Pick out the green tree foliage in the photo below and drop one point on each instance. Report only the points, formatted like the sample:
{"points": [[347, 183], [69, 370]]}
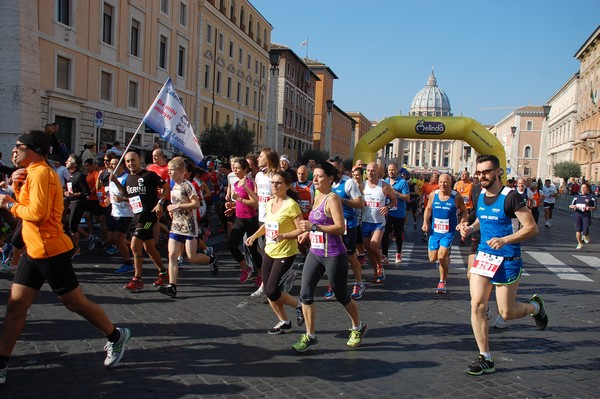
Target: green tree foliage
{"points": [[317, 155], [567, 170], [227, 140]]}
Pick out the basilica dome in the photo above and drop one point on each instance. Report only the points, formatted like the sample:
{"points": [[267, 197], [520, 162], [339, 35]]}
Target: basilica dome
{"points": [[430, 100]]}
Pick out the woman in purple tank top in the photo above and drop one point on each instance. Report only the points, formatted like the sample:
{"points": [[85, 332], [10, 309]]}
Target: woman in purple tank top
{"points": [[325, 227]]}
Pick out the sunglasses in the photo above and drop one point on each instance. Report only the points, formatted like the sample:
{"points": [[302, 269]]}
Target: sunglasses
{"points": [[484, 172]]}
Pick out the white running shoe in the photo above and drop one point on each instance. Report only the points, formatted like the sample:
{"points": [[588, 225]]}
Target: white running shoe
{"points": [[579, 246], [500, 322], [259, 293], [585, 239]]}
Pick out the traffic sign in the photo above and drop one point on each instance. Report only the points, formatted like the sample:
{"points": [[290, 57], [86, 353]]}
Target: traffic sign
{"points": [[99, 118]]}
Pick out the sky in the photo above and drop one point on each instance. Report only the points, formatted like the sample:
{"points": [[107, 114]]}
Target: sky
{"points": [[490, 56]]}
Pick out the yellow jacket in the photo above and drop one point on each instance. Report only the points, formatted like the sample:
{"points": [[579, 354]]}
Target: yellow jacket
{"points": [[40, 206]]}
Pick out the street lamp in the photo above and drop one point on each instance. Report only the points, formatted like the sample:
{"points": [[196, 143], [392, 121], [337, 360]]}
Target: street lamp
{"points": [[272, 133], [513, 130], [328, 127], [353, 136]]}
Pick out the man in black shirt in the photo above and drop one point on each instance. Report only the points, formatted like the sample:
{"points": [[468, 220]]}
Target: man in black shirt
{"points": [[141, 187]]}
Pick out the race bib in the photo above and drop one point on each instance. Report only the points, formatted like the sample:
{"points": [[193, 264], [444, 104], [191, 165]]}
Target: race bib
{"points": [[466, 199], [136, 204], [441, 226], [305, 206], [263, 199], [580, 207], [317, 240], [271, 231], [69, 187], [372, 204], [486, 265]]}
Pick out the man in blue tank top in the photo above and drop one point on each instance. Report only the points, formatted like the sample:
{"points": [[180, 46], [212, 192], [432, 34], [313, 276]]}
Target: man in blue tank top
{"points": [[498, 261], [439, 222]]}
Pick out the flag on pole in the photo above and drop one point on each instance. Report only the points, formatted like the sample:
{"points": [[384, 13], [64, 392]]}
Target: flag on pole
{"points": [[167, 117], [304, 43]]}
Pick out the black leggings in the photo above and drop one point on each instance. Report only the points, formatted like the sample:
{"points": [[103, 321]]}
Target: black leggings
{"points": [[582, 223], [249, 227], [336, 268], [76, 209], [272, 272], [397, 224]]}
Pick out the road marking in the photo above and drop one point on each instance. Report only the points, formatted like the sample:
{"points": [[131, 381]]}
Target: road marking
{"points": [[407, 248], [589, 260], [456, 259], [557, 267]]}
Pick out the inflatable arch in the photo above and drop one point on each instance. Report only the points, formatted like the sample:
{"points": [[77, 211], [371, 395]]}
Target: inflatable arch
{"points": [[429, 128]]}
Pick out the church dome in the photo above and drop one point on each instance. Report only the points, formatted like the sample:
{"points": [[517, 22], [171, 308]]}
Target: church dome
{"points": [[430, 100]]}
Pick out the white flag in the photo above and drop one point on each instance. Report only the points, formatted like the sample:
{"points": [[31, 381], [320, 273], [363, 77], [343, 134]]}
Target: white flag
{"points": [[167, 117], [304, 43]]}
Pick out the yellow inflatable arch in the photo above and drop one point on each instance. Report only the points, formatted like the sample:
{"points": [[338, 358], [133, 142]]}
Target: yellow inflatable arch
{"points": [[429, 128]]}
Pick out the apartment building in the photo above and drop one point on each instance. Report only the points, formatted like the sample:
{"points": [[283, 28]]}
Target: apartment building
{"points": [[94, 67]]}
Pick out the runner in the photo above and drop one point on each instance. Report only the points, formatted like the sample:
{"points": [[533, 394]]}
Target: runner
{"points": [[498, 262], [47, 254], [549, 193], [396, 216], [583, 204]]}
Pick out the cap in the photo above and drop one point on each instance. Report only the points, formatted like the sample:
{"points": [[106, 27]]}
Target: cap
{"points": [[36, 140], [403, 171], [284, 158]]}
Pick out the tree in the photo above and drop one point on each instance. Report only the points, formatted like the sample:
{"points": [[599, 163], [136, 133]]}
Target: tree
{"points": [[567, 170], [227, 140]]}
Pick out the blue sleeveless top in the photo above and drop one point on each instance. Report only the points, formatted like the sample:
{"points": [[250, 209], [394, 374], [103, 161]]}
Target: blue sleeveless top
{"points": [[494, 222]]}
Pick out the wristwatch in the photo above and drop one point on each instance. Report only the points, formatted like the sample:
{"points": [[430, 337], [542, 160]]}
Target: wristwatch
{"points": [[313, 228], [10, 205], [160, 201]]}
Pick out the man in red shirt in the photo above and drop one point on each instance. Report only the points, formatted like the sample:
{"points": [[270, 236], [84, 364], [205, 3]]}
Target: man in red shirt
{"points": [[161, 168]]}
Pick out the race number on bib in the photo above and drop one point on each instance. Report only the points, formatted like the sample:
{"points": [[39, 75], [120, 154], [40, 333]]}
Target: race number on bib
{"points": [[486, 265], [441, 226], [317, 240], [136, 204], [466, 199], [271, 231], [305, 206]]}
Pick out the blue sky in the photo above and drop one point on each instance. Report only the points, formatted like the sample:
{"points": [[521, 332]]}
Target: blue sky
{"points": [[487, 54]]}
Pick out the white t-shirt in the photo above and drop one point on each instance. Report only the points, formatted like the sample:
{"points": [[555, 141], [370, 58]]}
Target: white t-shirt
{"points": [[548, 191]]}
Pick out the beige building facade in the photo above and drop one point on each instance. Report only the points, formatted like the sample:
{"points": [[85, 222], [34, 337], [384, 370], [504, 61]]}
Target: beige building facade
{"points": [[587, 134], [94, 67]]}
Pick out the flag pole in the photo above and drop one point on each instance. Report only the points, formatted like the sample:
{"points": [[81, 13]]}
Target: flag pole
{"points": [[128, 145]]}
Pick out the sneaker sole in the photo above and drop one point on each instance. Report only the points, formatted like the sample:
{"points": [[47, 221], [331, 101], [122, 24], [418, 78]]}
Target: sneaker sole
{"points": [[486, 371], [280, 332], [307, 348]]}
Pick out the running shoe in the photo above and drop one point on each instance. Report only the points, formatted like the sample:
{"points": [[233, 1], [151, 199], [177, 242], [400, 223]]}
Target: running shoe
{"points": [[299, 316], [480, 366], [135, 285], [245, 274], [168, 289], [488, 313], [329, 293], [3, 371], [500, 322], [259, 293], [76, 253], [115, 350], [111, 250], [6, 250], [441, 288], [304, 343], [125, 268], [162, 279], [385, 260], [214, 267], [362, 259], [91, 243], [356, 336], [585, 239], [358, 290], [209, 251], [179, 261], [541, 318], [7, 269], [283, 327], [579, 246], [398, 258]]}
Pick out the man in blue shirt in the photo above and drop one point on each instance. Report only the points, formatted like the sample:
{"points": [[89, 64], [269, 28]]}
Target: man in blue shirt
{"points": [[396, 216]]}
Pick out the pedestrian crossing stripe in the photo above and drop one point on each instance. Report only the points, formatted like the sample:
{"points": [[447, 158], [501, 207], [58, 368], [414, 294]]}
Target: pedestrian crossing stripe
{"points": [[589, 260], [557, 267]]}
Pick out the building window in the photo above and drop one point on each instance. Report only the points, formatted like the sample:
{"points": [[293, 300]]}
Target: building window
{"points": [[181, 62], [220, 42], [132, 98], [208, 33], [164, 6], [242, 22], [63, 73], [183, 14], [229, 81], [239, 92], [526, 171], [217, 117], [218, 82], [247, 96], [105, 86], [162, 52], [206, 76], [255, 104], [63, 12], [249, 61], [107, 17], [232, 11], [241, 55], [135, 38], [529, 125], [205, 116], [527, 151], [230, 49]]}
